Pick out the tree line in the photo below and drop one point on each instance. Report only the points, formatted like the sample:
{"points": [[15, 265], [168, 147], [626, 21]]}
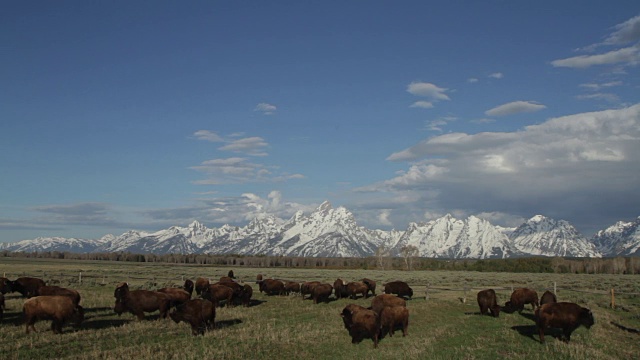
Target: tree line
{"points": [[617, 265]]}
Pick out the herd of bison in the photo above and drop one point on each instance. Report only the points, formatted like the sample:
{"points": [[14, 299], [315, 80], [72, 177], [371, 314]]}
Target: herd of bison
{"points": [[388, 312]]}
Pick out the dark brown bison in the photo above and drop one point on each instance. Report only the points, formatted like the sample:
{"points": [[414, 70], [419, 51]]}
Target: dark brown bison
{"points": [[321, 292], [1, 305], [352, 309], [138, 302], [57, 290], [548, 297], [225, 279], [201, 284], [258, 278], [27, 286], [488, 302], [188, 286], [231, 275], [361, 323], [272, 287], [399, 288], [217, 293], [238, 290], [340, 289], [564, 315], [519, 298], [393, 317], [58, 309], [5, 285], [307, 287], [382, 300], [355, 288], [198, 313], [371, 285], [176, 296], [245, 298], [291, 287]]}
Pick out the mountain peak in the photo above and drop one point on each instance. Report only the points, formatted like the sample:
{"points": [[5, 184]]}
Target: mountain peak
{"points": [[325, 206]]}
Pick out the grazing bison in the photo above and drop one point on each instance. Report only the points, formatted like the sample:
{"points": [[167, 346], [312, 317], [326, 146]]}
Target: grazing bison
{"points": [[199, 313], [272, 287], [176, 296], [371, 285], [392, 317], [201, 284], [565, 315], [399, 288], [380, 301], [58, 309], [355, 288], [291, 287], [188, 286], [245, 298], [548, 297], [519, 298], [138, 302], [488, 302], [57, 290], [321, 292], [217, 293], [307, 287], [340, 289], [361, 323], [27, 286]]}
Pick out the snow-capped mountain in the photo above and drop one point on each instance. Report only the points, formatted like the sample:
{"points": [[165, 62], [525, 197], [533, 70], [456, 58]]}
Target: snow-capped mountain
{"points": [[548, 237], [333, 232], [448, 237], [620, 239]]}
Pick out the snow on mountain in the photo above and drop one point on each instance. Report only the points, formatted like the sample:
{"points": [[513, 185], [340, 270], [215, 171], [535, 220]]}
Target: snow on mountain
{"points": [[448, 237], [548, 237], [333, 232], [620, 239]]}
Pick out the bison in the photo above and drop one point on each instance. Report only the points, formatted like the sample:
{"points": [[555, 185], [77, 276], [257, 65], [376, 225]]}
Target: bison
{"points": [[138, 302], [352, 309], [291, 287], [176, 296], [57, 290], [519, 298], [230, 274], [392, 317], [321, 292], [27, 286], [355, 288], [59, 309], [5, 285], [488, 302], [272, 287], [361, 323], [307, 287], [340, 289], [399, 288], [548, 297], [188, 287], [201, 284], [199, 313], [1, 305], [245, 298], [380, 301], [225, 279], [371, 285], [565, 315], [217, 293]]}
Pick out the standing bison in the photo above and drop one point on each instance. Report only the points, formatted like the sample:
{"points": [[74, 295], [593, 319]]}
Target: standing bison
{"points": [[307, 287], [27, 286], [201, 284], [519, 298], [399, 288], [392, 317], [371, 285], [217, 293], [565, 315], [355, 288], [58, 309], [198, 313], [321, 292], [176, 296], [487, 301], [138, 302], [340, 289], [382, 300], [548, 297], [57, 290], [272, 287], [245, 298], [361, 323]]}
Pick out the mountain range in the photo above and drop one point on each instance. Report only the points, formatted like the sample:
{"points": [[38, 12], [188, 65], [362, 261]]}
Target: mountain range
{"points": [[333, 232]]}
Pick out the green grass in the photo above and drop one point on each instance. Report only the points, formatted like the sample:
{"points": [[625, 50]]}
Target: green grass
{"points": [[442, 327]]}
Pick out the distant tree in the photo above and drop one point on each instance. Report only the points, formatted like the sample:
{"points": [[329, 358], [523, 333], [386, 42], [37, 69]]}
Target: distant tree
{"points": [[381, 253], [408, 252]]}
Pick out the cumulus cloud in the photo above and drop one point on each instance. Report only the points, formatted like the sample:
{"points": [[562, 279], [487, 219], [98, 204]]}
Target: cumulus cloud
{"points": [[251, 146], [430, 91], [515, 107], [265, 108], [564, 167]]}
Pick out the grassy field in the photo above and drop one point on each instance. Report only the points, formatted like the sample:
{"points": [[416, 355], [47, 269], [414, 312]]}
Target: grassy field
{"points": [[441, 327]]}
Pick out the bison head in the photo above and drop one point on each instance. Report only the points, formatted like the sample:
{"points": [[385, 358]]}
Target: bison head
{"points": [[121, 291], [119, 308], [586, 318]]}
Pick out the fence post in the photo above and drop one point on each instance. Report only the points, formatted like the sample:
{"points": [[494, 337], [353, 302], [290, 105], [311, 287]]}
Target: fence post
{"points": [[613, 299], [555, 289], [464, 299], [80, 278], [426, 292]]}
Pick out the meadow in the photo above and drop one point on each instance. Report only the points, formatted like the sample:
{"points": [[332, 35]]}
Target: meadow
{"points": [[444, 320]]}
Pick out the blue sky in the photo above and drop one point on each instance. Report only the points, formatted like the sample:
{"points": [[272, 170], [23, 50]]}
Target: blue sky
{"points": [[141, 115]]}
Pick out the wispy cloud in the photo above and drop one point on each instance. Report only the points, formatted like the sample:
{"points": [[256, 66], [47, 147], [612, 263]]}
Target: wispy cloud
{"points": [[265, 108], [237, 170], [515, 107], [496, 75], [208, 136], [430, 91], [253, 146], [612, 98]]}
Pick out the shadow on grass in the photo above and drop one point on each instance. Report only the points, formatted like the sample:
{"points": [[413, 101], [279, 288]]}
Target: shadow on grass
{"points": [[255, 302], [529, 331], [227, 323], [104, 323], [622, 327]]}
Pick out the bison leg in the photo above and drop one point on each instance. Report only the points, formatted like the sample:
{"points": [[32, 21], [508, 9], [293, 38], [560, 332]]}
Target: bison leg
{"points": [[30, 325], [541, 333]]}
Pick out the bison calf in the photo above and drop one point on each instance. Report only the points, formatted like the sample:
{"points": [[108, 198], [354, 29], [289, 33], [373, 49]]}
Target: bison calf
{"points": [[58, 309], [361, 323], [487, 301], [565, 315], [198, 313], [392, 317]]}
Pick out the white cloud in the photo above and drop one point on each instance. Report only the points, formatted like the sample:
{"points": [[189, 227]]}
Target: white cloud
{"points": [[515, 107], [428, 90], [472, 80], [208, 136], [596, 87], [626, 32], [265, 108], [422, 104], [251, 146], [496, 75], [629, 55], [612, 98], [238, 170]]}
